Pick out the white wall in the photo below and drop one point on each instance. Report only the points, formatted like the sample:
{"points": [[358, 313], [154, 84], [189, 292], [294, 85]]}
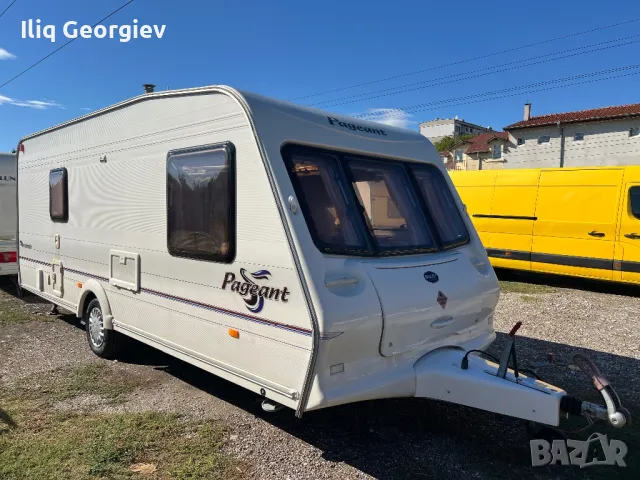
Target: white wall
{"points": [[436, 132], [605, 143]]}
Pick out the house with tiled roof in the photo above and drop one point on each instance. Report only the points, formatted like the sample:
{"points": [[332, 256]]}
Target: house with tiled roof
{"points": [[599, 136], [487, 151]]}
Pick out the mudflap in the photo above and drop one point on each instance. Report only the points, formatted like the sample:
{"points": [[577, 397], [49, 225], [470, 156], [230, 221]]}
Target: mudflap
{"points": [[439, 376]]}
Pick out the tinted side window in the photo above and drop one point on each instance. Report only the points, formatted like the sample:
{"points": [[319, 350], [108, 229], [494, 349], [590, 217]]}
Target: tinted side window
{"points": [[441, 205], [58, 195], [634, 198], [201, 203]]}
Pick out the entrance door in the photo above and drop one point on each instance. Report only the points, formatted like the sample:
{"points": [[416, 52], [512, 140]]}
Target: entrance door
{"points": [[630, 233]]}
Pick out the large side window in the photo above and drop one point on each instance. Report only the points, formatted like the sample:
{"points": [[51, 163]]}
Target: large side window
{"points": [[58, 195], [201, 203], [441, 205], [634, 199]]}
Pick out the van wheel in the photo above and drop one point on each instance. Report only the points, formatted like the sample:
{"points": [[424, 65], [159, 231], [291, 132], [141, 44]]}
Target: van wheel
{"points": [[102, 342]]}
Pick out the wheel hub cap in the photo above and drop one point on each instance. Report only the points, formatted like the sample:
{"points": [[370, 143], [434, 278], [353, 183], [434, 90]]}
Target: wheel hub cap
{"points": [[96, 328]]}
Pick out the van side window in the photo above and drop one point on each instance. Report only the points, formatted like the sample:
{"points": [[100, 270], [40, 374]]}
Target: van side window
{"points": [[58, 195], [634, 200], [201, 203]]}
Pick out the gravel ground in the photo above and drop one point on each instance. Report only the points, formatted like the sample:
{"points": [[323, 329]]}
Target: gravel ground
{"points": [[409, 438]]}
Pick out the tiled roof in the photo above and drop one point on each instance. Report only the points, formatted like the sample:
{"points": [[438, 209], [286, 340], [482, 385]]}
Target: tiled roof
{"points": [[480, 143], [580, 116]]}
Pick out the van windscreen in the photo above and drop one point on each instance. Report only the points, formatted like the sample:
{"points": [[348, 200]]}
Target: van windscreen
{"points": [[367, 206]]}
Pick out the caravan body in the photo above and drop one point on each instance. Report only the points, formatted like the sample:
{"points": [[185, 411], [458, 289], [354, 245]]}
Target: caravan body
{"points": [[311, 258], [8, 215]]}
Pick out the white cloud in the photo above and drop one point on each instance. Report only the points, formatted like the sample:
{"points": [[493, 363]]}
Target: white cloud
{"points": [[87, 109], [4, 55], [389, 116], [37, 104]]}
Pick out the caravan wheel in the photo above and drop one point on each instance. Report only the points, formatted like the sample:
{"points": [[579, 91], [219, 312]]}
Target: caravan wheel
{"points": [[102, 342]]}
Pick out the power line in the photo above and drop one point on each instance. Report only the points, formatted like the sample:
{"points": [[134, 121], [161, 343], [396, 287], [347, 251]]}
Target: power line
{"points": [[386, 92], [542, 42], [5, 10], [62, 46], [450, 102]]}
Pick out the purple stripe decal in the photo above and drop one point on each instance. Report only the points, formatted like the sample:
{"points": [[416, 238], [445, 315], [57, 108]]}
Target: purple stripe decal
{"points": [[224, 311]]}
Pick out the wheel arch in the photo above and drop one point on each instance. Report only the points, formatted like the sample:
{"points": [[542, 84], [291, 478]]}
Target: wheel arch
{"points": [[93, 288]]}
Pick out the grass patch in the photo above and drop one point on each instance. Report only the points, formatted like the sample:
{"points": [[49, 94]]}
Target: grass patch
{"points": [[75, 446], [15, 310], [111, 383], [527, 288]]}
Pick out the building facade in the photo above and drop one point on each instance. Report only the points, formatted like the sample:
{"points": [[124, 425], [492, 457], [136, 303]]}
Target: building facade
{"points": [[601, 136], [439, 128], [488, 151]]}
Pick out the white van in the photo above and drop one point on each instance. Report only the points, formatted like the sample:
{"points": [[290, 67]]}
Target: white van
{"points": [[311, 258], [8, 215]]}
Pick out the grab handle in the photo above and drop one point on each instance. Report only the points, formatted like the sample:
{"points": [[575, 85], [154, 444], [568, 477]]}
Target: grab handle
{"points": [[633, 236], [596, 234]]}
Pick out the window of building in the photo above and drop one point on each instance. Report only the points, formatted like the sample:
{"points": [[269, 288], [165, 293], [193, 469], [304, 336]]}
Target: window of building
{"points": [[458, 155], [634, 132], [578, 137], [58, 195], [201, 203], [520, 141], [497, 151], [634, 193], [544, 139]]}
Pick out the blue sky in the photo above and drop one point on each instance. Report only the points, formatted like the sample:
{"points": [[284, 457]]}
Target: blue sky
{"points": [[289, 49]]}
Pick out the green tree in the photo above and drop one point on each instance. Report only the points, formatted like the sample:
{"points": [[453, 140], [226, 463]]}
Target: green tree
{"points": [[447, 143]]}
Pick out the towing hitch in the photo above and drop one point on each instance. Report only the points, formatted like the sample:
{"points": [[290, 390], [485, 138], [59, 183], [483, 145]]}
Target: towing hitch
{"points": [[613, 411], [455, 375]]}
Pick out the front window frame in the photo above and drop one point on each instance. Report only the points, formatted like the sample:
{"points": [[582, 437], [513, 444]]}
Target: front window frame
{"points": [[372, 249]]}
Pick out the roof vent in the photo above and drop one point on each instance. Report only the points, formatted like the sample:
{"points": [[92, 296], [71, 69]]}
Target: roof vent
{"points": [[148, 87]]}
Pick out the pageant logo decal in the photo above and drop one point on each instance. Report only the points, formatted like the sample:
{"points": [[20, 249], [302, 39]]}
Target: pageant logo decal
{"points": [[254, 294]]}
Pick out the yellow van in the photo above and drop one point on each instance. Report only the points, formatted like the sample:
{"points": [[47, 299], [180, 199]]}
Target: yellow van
{"points": [[582, 222]]}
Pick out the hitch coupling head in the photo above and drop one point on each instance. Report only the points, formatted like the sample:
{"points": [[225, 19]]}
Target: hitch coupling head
{"points": [[614, 412]]}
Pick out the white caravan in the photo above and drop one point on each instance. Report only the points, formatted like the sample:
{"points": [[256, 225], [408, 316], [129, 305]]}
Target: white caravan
{"points": [[312, 258], [8, 215]]}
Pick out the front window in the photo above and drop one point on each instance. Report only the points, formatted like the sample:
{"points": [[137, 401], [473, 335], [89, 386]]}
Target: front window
{"points": [[441, 205], [458, 157], [329, 211], [376, 183], [366, 206], [634, 198]]}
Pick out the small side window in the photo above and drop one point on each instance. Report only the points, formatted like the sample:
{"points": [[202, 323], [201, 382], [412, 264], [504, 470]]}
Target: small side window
{"points": [[544, 139], [201, 203], [634, 132], [58, 195], [520, 141], [578, 137], [634, 200]]}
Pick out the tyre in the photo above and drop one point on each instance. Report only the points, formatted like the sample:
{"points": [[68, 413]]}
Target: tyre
{"points": [[103, 342]]}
